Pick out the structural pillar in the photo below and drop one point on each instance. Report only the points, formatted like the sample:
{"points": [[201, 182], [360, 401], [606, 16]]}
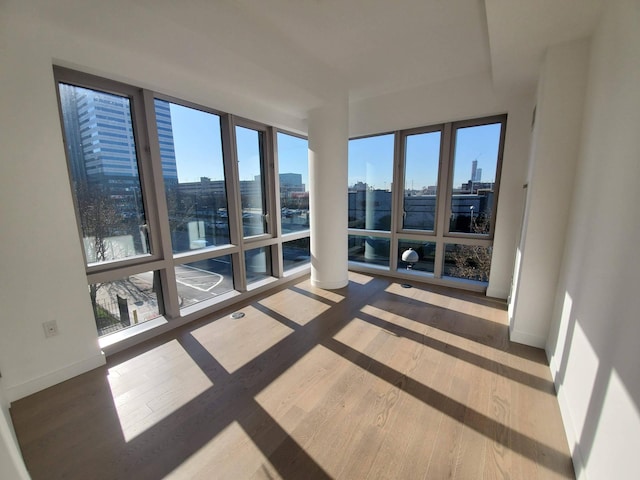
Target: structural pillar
{"points": [[328, 205]]}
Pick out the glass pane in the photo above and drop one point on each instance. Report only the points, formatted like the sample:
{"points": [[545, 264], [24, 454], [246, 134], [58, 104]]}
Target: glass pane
{"points": [[369, 249], [293, 164], [193, 171], [249, 145], [296, 253], [474, 175], [203, 280], [422, 154], [471, 262], [370, 178], [123, 303], [104, 173], [426, 255], [258, 264]]}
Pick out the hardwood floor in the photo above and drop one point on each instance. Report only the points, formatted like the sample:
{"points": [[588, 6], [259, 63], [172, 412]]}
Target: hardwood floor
{"points": [[370, 381]]}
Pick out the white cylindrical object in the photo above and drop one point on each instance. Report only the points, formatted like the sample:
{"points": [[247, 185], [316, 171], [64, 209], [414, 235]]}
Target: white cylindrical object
{"points": [[328, 204]]}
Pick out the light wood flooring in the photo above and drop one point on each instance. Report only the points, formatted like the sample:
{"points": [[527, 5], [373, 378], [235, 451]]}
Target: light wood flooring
{"points": [[370, 381]]}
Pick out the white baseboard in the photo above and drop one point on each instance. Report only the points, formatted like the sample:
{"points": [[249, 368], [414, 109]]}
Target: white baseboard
{"points": [[497, 293], [527, 339], [573, 440], [16, 392]]}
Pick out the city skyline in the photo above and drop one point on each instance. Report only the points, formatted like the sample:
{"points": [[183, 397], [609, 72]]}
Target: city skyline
{"points": [[198, 145], [371, 158]]}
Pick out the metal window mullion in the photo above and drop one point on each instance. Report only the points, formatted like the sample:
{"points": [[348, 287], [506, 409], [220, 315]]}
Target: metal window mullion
{"points": [[277, 251], [270, 181], [443, 199], [397, 198], [264, 241], [368, 233], [204, 254], [160, 229], [234, 200], [496, 184], [295, 236], [121, 272]]}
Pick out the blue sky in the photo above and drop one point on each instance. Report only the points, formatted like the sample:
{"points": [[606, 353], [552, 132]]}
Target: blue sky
{"points": [[371, 158], [197, 143], [198, 148]]}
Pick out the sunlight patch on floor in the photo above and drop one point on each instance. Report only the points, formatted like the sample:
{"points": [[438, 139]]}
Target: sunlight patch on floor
{"points": [[235, 342], [230, 454], [330, 295], [489, 313], [307, 308], [145, 392], [359, 278], [301, 386]]}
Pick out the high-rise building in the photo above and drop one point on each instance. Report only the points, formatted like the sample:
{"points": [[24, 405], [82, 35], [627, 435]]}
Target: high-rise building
{"points": [[165, 139], [100, 140]]}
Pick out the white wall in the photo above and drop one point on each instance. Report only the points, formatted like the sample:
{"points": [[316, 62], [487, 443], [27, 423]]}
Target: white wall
{"points": [[595, 331], [42, 272], [554, 153], [41, 267], [11, 465], [460, 99]]}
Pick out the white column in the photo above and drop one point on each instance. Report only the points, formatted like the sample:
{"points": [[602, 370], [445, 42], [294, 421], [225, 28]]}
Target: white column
{"points": [[328, 143]]}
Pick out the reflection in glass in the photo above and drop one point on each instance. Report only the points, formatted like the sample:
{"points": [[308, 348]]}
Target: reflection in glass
{"points": [[422, 154], [103, 165], [368, 249], [426, 255], [474, 177], [192, 167], [249, 145], [370, 178], [471, 262], [296, 253], [258, 264], [293, 168], [123, 303], [204, 280]]}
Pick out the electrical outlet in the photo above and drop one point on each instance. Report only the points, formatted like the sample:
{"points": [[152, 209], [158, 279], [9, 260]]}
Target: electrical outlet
{"points": [[50, 328]]}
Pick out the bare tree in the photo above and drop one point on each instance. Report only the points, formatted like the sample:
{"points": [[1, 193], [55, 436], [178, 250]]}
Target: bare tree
{"points": [[99, 220], [473, 262]]}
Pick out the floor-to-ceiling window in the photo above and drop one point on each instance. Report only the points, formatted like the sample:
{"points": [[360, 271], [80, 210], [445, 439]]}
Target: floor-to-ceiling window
{"points": [[432, 190], [370, 180], [293, 181], [177, 204]]}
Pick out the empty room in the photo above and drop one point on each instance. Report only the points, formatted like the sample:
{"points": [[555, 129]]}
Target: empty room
{"points": [[319, 239]]}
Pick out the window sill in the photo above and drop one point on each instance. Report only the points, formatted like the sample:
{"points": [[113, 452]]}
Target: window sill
{"points": [[127, 333]]}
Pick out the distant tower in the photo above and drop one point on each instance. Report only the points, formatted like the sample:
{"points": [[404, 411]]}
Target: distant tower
{"points": [[478, 175], [474, 168], [99, 133]]}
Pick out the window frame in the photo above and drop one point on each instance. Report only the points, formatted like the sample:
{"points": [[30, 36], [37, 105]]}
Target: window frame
{"points": [[277, 250], [146, 168], [162, 258], [393, 208], [441, 235], [495, 119], [400, 181]]}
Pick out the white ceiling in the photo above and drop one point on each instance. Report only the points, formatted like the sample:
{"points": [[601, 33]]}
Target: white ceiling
{"points": [[293, 54], [382, 45], [520, 31]]}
